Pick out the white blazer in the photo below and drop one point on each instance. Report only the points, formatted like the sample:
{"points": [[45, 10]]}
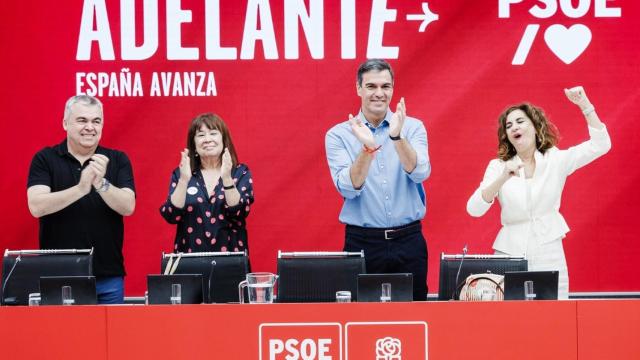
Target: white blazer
{"points": [[531, 207]]}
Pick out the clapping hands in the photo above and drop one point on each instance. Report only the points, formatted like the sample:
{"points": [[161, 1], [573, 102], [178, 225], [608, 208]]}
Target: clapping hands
{"points": [[185, 166], [227, 164], [362, 132], [397, 120], [98, 165]]}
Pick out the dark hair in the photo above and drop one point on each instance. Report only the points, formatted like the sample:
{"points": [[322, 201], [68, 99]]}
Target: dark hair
{"points": [[373, 65], [547, 135], [212, 122]]}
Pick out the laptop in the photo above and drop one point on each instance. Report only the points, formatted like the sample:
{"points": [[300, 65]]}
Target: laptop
{"points": [[545, 284], [370, 286], [159, 288], [83, 289]]}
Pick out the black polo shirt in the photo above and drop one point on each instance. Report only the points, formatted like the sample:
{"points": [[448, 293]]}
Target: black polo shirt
{"points": [[88, 222]]}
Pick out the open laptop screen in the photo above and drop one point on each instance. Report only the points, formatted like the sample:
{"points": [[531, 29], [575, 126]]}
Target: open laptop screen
{"points": [[83, 289], [159, 287], [545, 284]]}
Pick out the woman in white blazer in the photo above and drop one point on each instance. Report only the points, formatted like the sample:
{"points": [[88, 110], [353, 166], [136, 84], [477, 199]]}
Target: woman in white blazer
{"points": [[528, 178]]}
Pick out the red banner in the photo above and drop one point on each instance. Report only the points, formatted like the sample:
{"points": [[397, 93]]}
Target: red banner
{"points": [[281, 73], [585, 330]]}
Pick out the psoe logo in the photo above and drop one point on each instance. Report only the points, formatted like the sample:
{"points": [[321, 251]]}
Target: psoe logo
{"points": [[388, 348], [300, 341], [386, 340]]}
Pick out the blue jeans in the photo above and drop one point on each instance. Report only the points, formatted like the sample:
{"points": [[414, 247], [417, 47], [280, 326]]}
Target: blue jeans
{"points": [[110, 289]]}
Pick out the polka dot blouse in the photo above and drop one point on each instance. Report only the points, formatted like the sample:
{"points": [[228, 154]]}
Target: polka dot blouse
{"points": [[206, 223]]}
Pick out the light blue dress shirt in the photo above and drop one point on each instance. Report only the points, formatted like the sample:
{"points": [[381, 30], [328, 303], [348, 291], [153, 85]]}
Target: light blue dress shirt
{"points": [[390, 196]]}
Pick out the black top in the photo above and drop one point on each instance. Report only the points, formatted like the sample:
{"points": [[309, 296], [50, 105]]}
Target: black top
{"points": [[88, 222], [206, 223]]}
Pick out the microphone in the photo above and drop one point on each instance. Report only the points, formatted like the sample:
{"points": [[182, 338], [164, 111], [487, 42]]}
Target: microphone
{"points": [[12, 300], [455, 289], [209, 297]]}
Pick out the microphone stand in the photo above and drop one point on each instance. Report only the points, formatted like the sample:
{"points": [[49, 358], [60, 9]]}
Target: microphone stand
{"points": [[209, 297], [6, 281], [455, 289]]}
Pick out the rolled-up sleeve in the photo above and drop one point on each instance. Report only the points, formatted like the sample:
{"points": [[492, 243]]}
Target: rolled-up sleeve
{"points": [[477, 206], [340, 165], [418, 140], [244, 185]]}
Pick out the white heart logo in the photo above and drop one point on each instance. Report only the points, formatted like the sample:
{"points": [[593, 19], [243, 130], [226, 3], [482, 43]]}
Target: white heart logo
{"points": [[569, 43]]}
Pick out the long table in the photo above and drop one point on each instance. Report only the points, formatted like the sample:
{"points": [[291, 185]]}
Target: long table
{"points": [[583, 329]]}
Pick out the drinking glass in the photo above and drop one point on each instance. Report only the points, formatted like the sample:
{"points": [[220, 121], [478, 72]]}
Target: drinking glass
{"points": [[34, 299], [176, 294], [343, 296], [67, 296], [385, 296], [529, 293]]}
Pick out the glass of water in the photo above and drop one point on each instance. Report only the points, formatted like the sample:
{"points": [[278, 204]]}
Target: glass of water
{"points": [[67, 296], [529, 293], [261, 293], [34, 299], [176, 294], [385, 295], [343, 296]]}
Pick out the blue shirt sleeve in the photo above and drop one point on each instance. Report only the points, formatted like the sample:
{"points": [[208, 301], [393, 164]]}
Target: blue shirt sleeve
{"points": [[417, 137], [340, 163]]}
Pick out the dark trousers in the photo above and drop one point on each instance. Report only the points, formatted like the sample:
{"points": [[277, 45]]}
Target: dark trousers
{"points": [[394, 250]]}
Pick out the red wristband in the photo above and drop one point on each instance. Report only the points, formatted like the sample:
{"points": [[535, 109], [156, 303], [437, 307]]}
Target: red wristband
{"points": [[371, 151]]}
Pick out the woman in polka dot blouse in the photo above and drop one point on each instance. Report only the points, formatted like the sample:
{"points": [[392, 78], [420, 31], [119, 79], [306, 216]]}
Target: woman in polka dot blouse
{"points": [[210, 193]]}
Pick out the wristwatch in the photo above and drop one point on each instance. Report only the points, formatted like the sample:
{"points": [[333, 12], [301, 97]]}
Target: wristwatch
{"points": [[104, 187]]}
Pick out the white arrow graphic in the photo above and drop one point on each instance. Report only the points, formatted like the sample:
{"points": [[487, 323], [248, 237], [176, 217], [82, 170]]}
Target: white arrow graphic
{"points": [[426, 18]]}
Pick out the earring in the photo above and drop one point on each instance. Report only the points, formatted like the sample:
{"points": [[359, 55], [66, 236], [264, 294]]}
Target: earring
{"points": [[196, 155]]}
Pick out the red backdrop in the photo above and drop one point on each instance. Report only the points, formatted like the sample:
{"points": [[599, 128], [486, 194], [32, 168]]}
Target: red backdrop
{"points": [[457, 75]]}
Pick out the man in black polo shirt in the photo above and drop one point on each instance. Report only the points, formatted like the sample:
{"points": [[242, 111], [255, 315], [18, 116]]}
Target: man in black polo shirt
{"points": [[80, 191]]}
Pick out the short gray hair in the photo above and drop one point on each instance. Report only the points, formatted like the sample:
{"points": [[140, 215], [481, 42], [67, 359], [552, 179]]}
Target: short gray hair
{"points": [[82, 98]]}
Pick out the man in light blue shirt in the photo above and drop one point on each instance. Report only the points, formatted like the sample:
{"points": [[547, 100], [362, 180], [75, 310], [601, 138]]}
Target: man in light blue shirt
{"points": [[378, 161]]}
